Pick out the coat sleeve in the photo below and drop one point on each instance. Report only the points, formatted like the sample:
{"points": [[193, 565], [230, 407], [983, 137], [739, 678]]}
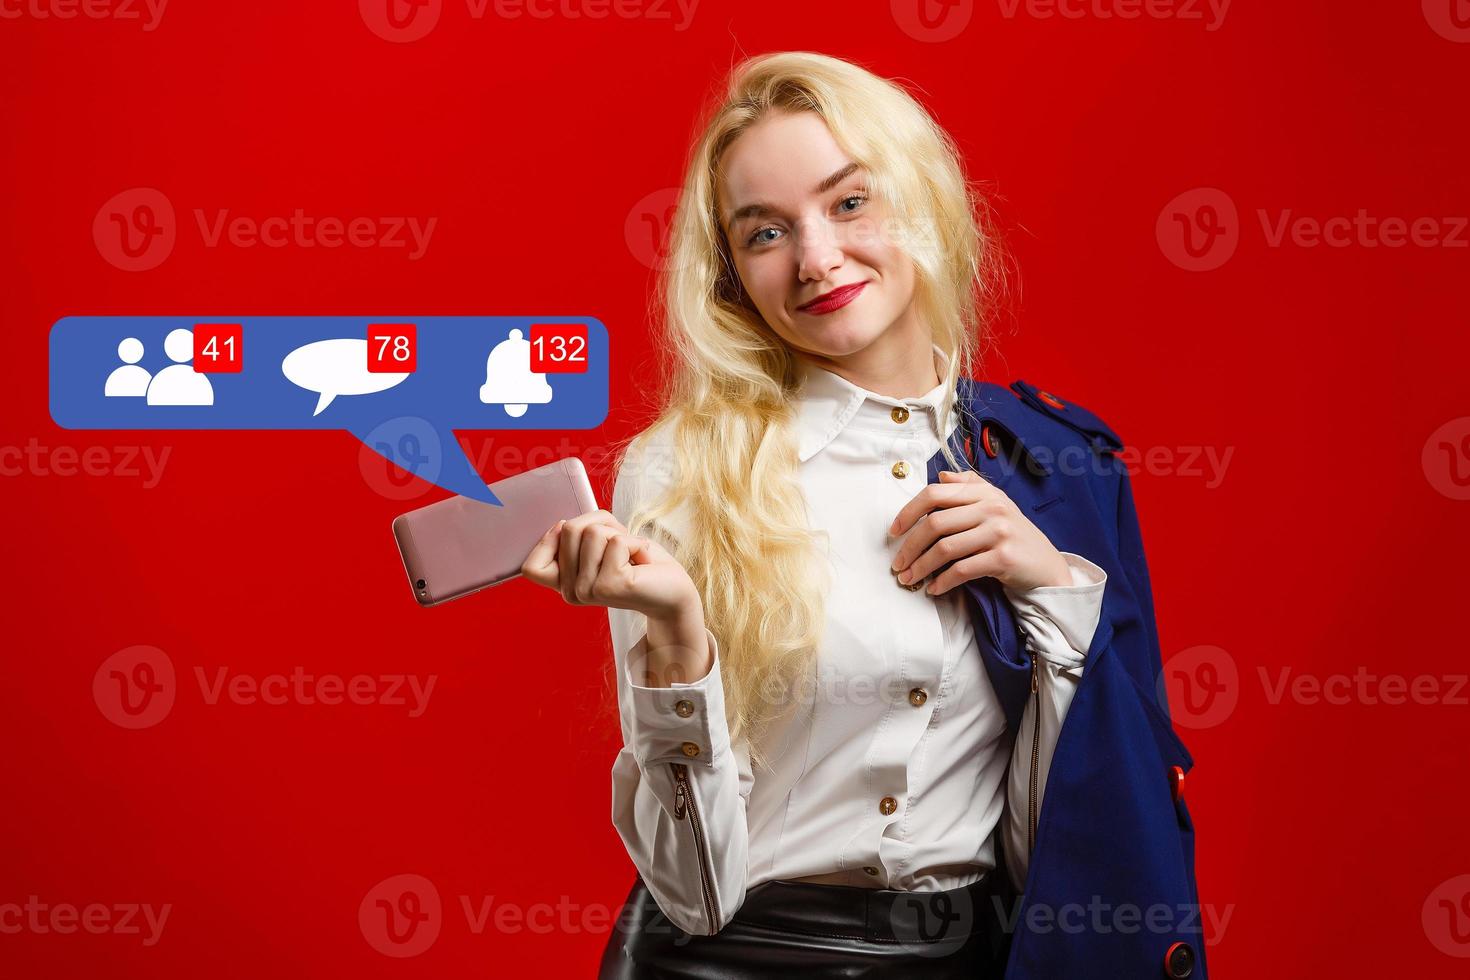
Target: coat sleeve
{"points": [[1116, 835], [679, 785], [1059, 623]]}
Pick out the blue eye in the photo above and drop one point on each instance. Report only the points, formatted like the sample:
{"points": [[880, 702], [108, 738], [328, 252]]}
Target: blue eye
{"points": [[860, 198]]}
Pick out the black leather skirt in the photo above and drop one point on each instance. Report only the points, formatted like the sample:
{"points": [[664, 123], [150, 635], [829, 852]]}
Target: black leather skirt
{"points": [[817, 931]]}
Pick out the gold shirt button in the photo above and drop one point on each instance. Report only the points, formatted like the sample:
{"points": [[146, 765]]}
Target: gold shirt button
{"points": [[900, 414], [918, 696], [900, 469], [869, 869], [690, 749], [684, 708], [887, 805]]}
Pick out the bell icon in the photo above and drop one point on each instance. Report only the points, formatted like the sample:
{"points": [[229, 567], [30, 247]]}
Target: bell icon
{"points": [[509, 380]]}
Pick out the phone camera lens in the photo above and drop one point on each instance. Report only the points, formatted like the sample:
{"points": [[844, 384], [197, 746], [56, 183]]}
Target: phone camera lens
{"points": [[419, 585]]}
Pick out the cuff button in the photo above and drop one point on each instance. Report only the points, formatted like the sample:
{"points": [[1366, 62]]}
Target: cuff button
{"points": [[690, 749], [684, 708]]}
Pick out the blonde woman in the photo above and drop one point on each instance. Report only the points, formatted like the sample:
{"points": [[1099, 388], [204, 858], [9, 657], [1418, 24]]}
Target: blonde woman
{"points": [[853, 593]]}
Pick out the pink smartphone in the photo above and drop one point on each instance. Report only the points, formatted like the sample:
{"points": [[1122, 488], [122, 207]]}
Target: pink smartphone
{"points": [[459, 546]]}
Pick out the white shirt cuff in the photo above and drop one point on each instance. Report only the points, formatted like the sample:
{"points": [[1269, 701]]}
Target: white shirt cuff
{"points": [[684, 722], [1073, 611]]}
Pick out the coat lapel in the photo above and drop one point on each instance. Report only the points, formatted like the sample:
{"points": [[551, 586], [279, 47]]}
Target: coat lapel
{"points": [[1020, 475]]}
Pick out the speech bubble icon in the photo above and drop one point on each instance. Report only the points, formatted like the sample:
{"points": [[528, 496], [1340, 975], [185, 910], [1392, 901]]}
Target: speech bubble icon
{"points": [[336, 367]]}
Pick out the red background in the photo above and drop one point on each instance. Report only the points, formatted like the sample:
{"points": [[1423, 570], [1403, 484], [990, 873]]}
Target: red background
{"points": [[1323, 829]]}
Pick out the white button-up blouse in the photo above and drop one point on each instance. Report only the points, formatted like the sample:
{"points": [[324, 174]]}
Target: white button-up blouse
{"points": [[892, 767]]}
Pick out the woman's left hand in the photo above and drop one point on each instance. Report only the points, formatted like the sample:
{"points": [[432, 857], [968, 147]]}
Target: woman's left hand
{"points": [[975, 525]]}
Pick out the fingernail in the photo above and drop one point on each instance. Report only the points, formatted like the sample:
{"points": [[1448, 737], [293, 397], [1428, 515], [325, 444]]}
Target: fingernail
{"points": [[905, 575]]}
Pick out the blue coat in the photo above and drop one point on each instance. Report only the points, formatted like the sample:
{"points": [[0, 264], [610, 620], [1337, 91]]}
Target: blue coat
{"points": [[1110, 889]]}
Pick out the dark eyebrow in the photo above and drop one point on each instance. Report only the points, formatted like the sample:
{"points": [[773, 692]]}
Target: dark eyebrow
{"points": [[764, 210]]}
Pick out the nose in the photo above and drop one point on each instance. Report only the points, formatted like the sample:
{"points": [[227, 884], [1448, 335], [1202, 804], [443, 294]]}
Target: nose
{"points": [[818, 252]]}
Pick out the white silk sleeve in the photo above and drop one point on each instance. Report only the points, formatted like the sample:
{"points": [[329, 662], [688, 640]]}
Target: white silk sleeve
{"points": [[1058, 623]]}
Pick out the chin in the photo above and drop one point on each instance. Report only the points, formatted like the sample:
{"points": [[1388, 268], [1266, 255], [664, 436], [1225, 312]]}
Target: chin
{"points": [[842, 338], [837, 342]]}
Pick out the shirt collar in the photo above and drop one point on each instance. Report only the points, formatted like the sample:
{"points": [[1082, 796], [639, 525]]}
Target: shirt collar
{"points": [[827, 402]]}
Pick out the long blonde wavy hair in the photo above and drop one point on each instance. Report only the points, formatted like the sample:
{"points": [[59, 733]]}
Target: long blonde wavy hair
{"points": [[728, 380]]}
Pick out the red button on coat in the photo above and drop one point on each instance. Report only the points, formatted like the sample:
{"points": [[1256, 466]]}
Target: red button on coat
{"points": [[1179, 961], [1050, 399], [1176, 782], [987, 439]]}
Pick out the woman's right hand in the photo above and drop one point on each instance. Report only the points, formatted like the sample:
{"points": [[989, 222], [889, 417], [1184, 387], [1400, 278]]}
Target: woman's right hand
{"points": [[592, 559]]}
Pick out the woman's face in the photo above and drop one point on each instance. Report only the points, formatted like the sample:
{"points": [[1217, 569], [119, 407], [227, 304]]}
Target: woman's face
{"points": [[800, 224]]}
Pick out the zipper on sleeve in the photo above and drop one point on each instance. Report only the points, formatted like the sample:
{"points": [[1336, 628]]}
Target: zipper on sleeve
{"points": [[1035, 756], [684, 804]]}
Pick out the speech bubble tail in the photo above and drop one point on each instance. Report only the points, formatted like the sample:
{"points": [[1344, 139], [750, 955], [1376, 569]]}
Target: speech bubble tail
{"points": [[428, 452], [459, 474], [323, 402]]}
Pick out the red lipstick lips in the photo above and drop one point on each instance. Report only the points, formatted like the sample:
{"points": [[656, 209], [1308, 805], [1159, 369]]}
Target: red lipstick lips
{"points": [[835, 300]]}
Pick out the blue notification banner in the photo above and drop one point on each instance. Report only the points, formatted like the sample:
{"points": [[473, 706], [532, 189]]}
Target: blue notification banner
{"points": [[401, 384]]}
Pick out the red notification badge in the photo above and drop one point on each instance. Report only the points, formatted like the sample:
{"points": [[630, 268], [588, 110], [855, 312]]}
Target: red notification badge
{"points": [[218, 348], [559, 348], [393, 348]]}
